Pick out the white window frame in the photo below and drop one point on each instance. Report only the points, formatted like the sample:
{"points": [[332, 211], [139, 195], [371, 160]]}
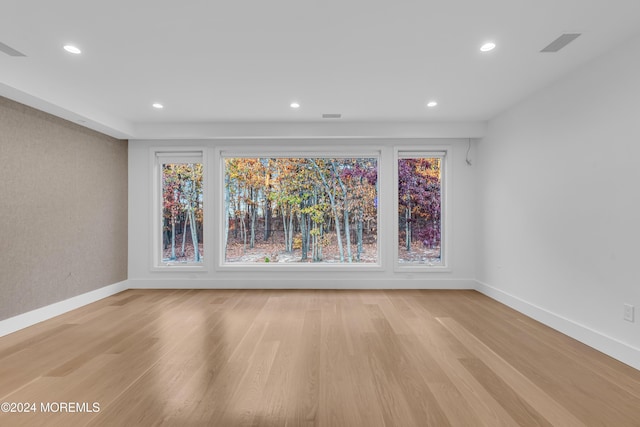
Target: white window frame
{"points": [[443, 152], [222, 153], [164, 155]]}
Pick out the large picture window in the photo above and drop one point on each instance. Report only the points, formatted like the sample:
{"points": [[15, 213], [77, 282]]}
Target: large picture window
{"points": [[283, 210], [181, 197], [420, 202]]}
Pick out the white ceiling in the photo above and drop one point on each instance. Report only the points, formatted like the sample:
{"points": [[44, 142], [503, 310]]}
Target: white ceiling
{"points": [[245, 61]]}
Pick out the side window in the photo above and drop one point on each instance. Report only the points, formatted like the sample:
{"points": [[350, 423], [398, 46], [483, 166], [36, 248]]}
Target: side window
{"points": [[180, 211], [420, 208]]}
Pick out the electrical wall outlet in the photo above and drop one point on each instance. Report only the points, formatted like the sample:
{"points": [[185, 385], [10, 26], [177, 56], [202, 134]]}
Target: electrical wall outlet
{"points": [[628, 312]]}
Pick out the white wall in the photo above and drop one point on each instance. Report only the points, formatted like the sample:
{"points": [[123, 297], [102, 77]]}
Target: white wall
{"points": [[559, 204], [461, 261]]}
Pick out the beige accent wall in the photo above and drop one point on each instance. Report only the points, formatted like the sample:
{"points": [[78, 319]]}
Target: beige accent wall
{"points": [[63, 209]]}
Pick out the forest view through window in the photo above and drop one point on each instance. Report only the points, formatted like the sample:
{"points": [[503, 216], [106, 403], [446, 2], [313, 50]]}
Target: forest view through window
{"points": [[420, 211], [300, 210], [182, 220]]}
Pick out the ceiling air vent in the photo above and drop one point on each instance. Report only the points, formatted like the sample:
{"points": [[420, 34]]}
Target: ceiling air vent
{"points": [[561, 42], [9, 50], [332, 116]]}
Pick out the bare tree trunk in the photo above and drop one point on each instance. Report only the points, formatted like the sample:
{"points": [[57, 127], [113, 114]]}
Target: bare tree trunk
{"points": [[290, 231], [194, 236], [308, 231], [407, 227], [236, 210], [166, 235], [337, 225], [321, 238], [334, 209], [252, 243], [314, 244], [184, 233], [284, 230], [303, 232], [173, 239], [243, 233], [252, 216], [267, 213], [347, 231], [359, 232]]}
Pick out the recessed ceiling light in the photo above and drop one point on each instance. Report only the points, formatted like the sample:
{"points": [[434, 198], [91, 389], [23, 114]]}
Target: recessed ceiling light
{"points": [[487, 47], [432, 104], [158, 105], [72, 49], [295, 105]]}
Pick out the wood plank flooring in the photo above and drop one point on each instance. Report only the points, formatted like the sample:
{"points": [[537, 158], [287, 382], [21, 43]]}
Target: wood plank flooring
{"points": [[308, 358]]}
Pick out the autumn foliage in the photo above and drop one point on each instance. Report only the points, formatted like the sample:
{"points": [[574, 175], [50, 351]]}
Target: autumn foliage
{"points": [[301, 209], [182, 212], [419, 208]]}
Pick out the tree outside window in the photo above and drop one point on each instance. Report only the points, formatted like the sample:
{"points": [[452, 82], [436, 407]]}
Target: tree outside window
{"points": [[300, 210], [420, 210], [182, 213]]}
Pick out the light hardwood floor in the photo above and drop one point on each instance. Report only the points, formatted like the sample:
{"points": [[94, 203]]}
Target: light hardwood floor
{"points": [[298, 358]]}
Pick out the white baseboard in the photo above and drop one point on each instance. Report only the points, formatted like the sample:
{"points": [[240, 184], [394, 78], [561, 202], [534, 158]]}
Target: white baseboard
{"points": [[301, 284], [605, 344], [38, 315]]}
